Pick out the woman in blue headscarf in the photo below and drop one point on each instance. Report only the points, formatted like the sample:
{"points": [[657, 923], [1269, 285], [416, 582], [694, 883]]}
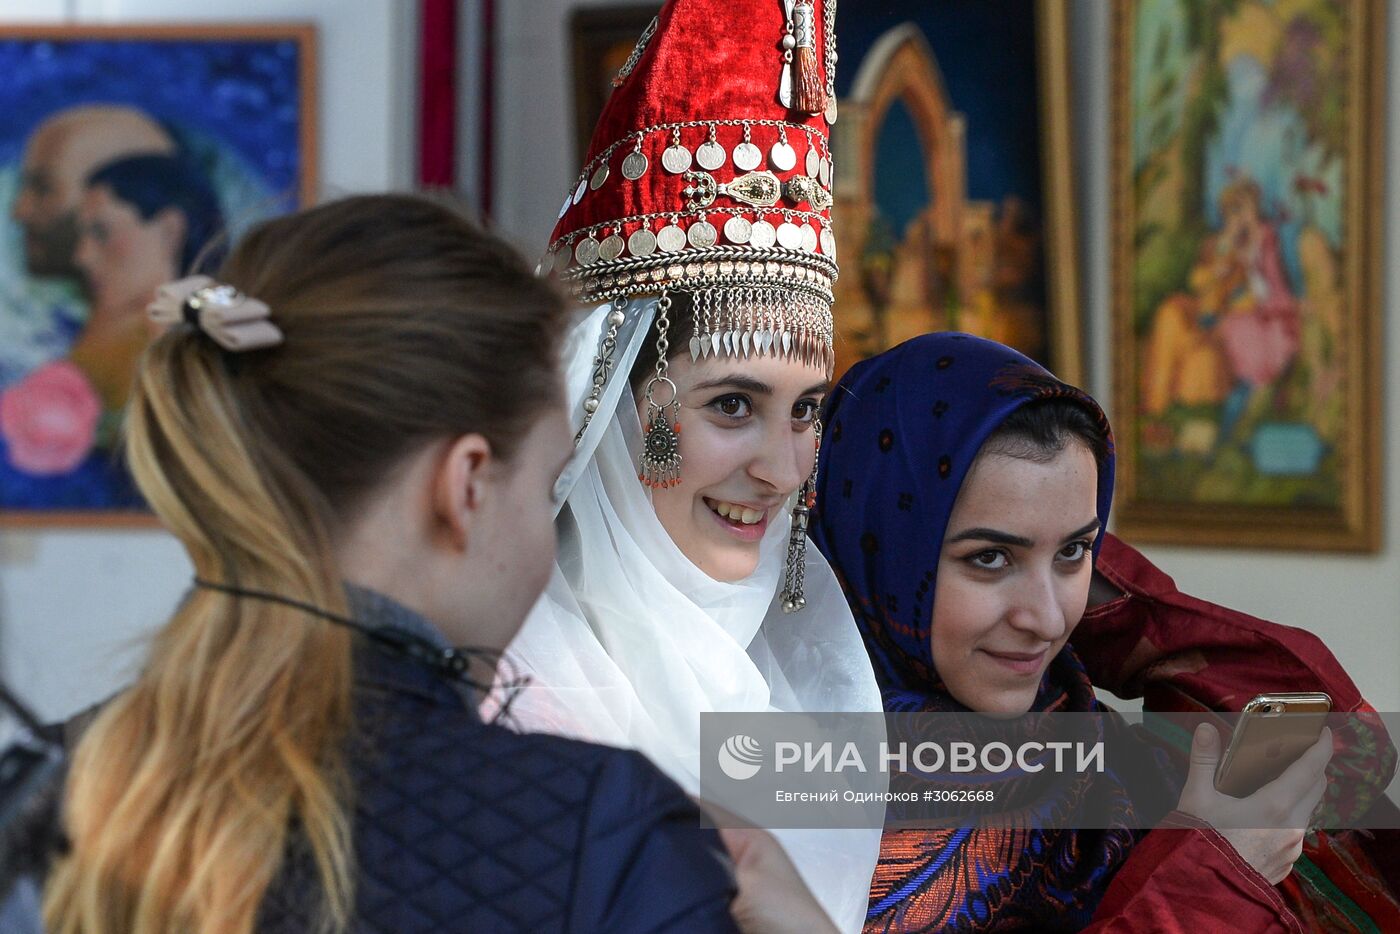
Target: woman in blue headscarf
{"points": [[964, 492]]}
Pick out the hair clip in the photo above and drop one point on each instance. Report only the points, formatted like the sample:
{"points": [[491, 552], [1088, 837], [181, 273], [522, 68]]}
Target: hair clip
{"points": [[229, 318]]}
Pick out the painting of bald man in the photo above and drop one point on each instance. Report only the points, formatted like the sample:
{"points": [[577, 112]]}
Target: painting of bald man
{"points": [[128, 157]]}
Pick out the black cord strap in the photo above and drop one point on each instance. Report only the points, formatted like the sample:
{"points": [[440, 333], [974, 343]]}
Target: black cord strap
{"points": [[453, 663]]}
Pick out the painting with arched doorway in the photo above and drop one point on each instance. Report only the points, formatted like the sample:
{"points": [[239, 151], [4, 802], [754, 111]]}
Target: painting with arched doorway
{"points": [[952, 184]]}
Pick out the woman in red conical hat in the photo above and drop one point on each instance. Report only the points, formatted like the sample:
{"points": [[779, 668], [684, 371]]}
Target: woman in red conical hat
{"points": [[699, 231]]}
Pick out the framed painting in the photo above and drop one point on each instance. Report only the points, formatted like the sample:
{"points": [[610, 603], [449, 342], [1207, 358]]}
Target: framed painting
{"points": [[129, 156], [1246, 289], [603, 38], [953, 191]]}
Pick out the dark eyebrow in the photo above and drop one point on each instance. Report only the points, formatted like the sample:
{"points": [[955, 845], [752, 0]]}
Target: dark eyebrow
{"points": [[1089, 529], [1006, 538], [755, 386], [747, 383], [990, 535]]}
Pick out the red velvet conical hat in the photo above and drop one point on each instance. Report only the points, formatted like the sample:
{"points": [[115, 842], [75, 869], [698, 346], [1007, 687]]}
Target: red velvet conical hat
{"points": [[710, 173]]}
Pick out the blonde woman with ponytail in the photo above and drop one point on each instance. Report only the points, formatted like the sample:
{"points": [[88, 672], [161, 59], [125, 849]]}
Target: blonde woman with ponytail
{"points": [[354, 433]]}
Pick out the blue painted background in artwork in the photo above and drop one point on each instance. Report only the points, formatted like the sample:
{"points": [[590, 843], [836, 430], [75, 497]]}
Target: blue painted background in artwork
{"points": [[902, 184], [234, 108], [242, 93], [986, 50]]}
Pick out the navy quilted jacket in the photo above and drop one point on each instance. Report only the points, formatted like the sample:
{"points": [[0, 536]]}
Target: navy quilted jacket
{"points": [[465, 826]]}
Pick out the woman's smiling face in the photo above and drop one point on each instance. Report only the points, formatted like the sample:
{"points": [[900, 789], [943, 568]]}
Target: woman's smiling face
{"points": [[746, 443], [1013, 576]]}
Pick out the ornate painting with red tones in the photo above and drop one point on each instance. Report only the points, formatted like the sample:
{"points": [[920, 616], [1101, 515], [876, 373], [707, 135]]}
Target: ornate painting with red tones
{"points": [[1246, 275]]}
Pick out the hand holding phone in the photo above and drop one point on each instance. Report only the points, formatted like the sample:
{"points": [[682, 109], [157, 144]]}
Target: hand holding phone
{"points": [[1267, 825], [1272, 732]]}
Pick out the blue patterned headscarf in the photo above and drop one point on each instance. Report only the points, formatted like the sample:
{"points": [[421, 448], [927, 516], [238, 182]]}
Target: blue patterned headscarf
{"points": [[901, 432]]}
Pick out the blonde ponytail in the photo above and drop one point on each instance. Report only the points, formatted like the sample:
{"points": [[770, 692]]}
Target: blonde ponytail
{"points": [[404, 324], [184, 787]]}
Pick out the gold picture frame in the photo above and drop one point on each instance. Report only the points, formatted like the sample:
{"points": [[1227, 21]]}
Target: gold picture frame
{"points": [[1246, 312]]}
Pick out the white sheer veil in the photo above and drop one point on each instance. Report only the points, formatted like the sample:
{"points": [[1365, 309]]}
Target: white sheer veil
{"points": [[631, 642]]}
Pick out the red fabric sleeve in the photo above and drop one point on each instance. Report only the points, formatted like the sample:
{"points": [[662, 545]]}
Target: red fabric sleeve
{"points": [[1180, 653], [1185, 881], [1159, 643]]}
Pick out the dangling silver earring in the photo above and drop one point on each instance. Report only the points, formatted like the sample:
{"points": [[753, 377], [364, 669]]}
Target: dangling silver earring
{"points": [[792, 597], [660, 460]]}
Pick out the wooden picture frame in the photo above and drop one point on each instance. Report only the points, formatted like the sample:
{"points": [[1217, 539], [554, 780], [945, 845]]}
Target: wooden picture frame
{"points": [[982, 90], [1246, 311], [104, 132], [602, 39]]}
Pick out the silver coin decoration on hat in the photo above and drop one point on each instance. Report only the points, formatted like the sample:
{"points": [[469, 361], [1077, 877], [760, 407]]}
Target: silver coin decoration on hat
{"points": [[710, 156], [676, 159], [642, 243], [782, 156], [789, 235], [586, 252], [611, 248], [738, 229], [763, 236], [671, 239]]}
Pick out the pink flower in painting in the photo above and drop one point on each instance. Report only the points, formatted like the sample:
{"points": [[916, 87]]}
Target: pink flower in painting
{"points": [[49, 419]]}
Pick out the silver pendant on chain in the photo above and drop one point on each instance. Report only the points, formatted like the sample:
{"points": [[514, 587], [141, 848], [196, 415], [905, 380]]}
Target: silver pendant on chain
{"points": [[747, 157], [710, 155], [763, 236], [676, 159], [809, 239], [671, 239], [634, 166], [782, 156], [702, 235], [738, 230], [828, 241], [580, 190], [789, 235], [586, 252], [599, 177], [814, 163], [611, 248], [641, 243]]}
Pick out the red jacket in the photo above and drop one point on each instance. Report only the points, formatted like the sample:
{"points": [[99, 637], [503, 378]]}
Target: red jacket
{"points": [[1183, 654]]}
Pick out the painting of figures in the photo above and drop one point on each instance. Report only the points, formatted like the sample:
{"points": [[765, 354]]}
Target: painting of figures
{"points": [[1246, 270], [128, 157], [953, 192]]}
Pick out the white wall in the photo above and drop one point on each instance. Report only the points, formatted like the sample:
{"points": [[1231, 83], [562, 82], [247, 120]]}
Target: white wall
{"points": [[1353, 603], [534, 146], [74, 604]]}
